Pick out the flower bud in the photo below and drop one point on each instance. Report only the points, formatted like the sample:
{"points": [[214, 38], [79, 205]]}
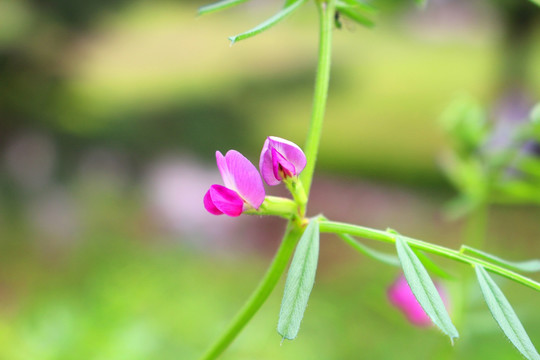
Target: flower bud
{"points": [[280, 159]]}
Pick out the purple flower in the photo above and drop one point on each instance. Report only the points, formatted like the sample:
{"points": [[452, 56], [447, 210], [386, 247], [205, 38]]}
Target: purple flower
{"points": [[280, 159], [243, 186], [401, 296]]}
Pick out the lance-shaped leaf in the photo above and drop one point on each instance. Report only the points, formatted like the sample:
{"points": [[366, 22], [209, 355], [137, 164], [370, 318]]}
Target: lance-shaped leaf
{"points": [[524, 266], [423, 289], [353, 14], [372, 253], [358, 5], [288, 2], [220, 5], [268, 23], [299, 282], [432, 266], [504, 315]]}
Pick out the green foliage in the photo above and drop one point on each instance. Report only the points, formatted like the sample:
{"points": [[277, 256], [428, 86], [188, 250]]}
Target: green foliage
{"points": [[432, 266], [356, 11], [505, 316], [467, 125], [525, 266], [483, 171], [220, 5], [423, 289], [300, 280], [268, 23], [388, 259], [535, 115]]}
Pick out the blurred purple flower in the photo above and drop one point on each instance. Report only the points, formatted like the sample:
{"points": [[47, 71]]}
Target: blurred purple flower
{"points": [[280, 159], [511, 112], [402, 297], [243, 186]]}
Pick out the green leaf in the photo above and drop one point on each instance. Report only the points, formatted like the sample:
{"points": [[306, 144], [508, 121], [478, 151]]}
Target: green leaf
{"points": [[504, 315], [360, 6], [358, 17], [530, 166], [537, 2], [431, 266], [299, 282], [521, 191], [525, 266], [422, 3], [220, 5], [466, 122], [268, 23], [288, 3], [423, 289], [535, 112], [372, 253]]}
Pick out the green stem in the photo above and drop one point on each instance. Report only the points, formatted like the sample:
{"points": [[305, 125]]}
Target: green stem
{"points": [[276, 206], [326, 17], [261, 293], [474, 234], [368, 233], [299, 195]]}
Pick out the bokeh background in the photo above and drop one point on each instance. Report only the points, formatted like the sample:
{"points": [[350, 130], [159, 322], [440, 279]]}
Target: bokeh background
{"points": [[110, 114]]}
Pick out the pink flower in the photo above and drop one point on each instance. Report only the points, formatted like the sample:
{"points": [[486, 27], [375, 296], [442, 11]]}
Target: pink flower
{"points": [[280, 159], [243, 186], [401, 296]]}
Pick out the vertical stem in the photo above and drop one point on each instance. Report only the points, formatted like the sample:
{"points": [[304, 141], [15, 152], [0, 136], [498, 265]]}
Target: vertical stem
{"points": [[474, 235], [261, 293], [326, 16], [476, 226]]}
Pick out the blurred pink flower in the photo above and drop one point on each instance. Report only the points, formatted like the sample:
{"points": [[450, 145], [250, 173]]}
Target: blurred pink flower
{"points": [[402, 297], [280, 159], [243, 186]]}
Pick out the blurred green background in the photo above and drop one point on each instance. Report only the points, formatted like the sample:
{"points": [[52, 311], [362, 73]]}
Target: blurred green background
{"points": [[110, 114]]}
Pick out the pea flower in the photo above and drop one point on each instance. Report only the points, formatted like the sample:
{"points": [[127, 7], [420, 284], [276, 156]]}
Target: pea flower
{"points": [[402, 297], [280, 159], [243, 188]]}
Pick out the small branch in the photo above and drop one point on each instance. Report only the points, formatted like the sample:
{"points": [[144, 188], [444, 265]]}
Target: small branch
{"points": [[378, 235]]}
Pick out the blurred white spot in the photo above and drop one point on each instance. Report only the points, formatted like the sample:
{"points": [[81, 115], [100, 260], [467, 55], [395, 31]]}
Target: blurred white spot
{"points": [[175, 187]]}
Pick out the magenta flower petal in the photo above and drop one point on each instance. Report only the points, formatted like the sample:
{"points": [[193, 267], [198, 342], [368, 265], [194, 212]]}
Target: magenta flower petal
{"points": [[246, 178], [224, 200], [280, 155], [266, 166], [243, 188], [280, 163], [290, 151], [401, 296], [224, 170], [209, 204]]}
